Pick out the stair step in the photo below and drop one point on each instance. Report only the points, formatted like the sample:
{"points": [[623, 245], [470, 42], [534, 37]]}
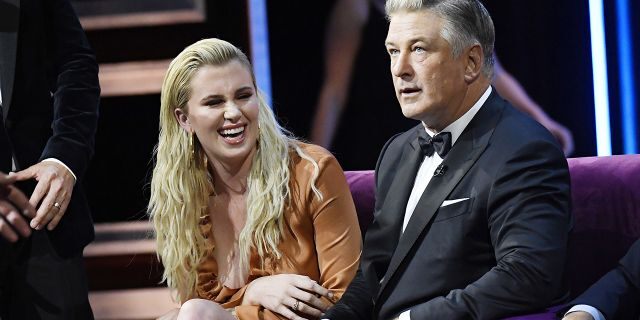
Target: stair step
{"points": [[133, 304], [123, 256], [146, 19], [132, 78]]}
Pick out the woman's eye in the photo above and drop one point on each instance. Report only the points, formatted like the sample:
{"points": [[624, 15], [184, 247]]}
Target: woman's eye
{"points": [[245, 96], [419, 49], [393, 52], [214, 103]]}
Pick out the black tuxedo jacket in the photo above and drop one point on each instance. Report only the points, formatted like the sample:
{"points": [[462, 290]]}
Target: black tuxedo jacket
{"points": [[617, 294], [500, 252], [50, 96]]}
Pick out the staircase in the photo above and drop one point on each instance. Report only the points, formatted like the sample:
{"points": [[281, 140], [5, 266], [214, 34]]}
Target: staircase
{"points": [[124, 273]]}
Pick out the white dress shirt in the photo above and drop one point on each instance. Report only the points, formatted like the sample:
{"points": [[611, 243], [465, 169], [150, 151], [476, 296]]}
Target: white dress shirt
{"points": [[429, 165]]}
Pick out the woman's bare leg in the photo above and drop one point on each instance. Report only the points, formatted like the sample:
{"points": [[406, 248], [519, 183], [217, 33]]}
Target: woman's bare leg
{"points": [[196, 309]]}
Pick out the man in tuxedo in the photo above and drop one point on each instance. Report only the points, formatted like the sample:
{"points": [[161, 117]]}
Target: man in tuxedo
{"points": [[49, 96], [472, 206], [614, 296]]}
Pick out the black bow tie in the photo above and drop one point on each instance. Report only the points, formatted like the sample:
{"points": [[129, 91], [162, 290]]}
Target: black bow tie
{"points": [[440, 143]]}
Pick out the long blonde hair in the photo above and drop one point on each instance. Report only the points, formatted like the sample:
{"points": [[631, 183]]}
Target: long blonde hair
{"points": [[181, 184]]}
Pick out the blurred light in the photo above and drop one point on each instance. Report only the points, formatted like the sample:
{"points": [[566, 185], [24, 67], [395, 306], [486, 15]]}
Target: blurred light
{"points": [[259, 33], [600, 79], [625, 62]]}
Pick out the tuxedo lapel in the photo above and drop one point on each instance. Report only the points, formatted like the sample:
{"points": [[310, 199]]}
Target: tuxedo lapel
{"points": [[396, 200], [458, 161], [383, 235], [9, 24]]}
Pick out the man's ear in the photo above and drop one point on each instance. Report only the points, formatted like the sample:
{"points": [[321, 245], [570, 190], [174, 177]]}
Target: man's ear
{"points": [[182, 118], [474, 62]]}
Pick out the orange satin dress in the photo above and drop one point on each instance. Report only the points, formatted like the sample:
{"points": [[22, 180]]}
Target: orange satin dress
{"points": [[321, 238]]}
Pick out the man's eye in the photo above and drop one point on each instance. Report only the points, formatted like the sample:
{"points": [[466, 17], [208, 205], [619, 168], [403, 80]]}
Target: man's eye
{"points": [[393, 52], [419, 49]]}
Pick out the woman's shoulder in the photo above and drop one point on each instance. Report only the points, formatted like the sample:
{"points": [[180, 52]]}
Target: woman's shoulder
{"points": [[321, 156], [316, 152]]}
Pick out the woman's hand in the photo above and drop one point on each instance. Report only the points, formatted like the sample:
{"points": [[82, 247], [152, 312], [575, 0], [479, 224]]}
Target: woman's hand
{"points": [[286, 293]]}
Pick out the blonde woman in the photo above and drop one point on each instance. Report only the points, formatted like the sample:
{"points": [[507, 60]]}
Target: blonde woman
{"points": [[250, 223]]}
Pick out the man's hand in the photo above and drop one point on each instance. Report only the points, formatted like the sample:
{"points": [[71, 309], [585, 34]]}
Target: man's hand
{"points": [[52, 193], [578, 315], [286, 293], [13, 204]]}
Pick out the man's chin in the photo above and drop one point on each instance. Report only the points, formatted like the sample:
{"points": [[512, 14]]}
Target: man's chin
{"points": [[412, 113]]}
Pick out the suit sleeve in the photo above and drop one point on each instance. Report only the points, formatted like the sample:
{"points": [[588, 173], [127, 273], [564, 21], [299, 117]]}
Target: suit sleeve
{"points": [[617, 294], [357, 301], [76, 91], [529, 222]]}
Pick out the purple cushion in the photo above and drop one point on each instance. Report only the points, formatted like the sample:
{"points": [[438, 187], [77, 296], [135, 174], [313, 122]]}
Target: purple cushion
{"points": [[606, 211], [549, 314], [363, 191]]}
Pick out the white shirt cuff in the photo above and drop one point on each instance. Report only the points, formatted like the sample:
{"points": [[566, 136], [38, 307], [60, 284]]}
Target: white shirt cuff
{"points": [[595, 313], [405, 315], [64, 165]]}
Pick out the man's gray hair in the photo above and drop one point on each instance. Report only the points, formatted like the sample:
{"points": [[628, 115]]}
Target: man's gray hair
{"points": [[466, 23]]}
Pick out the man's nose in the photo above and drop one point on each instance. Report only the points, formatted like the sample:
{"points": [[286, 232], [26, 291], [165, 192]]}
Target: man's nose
{"points": [[401, 66]]}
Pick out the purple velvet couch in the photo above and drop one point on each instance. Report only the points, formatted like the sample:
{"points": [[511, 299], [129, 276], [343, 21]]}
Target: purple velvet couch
{"points": [[606, 210]]}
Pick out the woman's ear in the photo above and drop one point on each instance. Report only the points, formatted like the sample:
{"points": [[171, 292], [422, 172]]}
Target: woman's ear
{"points": [[182, 118], [475, 59]]}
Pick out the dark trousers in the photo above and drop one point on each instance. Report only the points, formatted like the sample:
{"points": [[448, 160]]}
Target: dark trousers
{"points": [[36, 283]]}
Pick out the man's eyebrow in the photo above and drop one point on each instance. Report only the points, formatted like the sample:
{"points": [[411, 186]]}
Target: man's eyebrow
{"points": [[410, 41]]}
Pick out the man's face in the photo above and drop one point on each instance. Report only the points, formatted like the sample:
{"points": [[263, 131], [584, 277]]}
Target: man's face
{"points": [[428, 80]]}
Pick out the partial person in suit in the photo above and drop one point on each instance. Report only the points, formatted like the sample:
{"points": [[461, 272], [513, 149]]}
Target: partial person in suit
{"points": [[14, 205], [615, 296], [472, 206], [250, 223], [49, 95]]}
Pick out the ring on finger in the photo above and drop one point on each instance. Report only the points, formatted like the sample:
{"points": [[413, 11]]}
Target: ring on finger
{"points": [[56, 205], [296, 305]]}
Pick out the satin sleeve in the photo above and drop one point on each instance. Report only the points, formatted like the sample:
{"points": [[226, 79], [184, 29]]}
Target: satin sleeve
{"points": [[337, 232]]}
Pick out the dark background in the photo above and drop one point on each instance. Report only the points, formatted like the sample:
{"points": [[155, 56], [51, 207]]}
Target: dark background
{"points": [[544, 44]]}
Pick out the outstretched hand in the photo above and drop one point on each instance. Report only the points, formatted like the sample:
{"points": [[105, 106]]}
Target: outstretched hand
{"points": [[52, 193], [13, 205], [287, 294]]}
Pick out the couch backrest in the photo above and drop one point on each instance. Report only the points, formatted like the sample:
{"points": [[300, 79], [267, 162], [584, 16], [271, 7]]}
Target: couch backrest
{"points": [[606, 209], [605, 195]]}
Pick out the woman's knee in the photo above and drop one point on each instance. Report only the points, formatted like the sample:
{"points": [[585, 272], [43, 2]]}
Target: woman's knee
{"points": [[202, 309]]}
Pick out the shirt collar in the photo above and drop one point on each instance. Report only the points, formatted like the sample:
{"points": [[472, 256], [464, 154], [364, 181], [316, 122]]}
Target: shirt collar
{"points": [[457, 127]]}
